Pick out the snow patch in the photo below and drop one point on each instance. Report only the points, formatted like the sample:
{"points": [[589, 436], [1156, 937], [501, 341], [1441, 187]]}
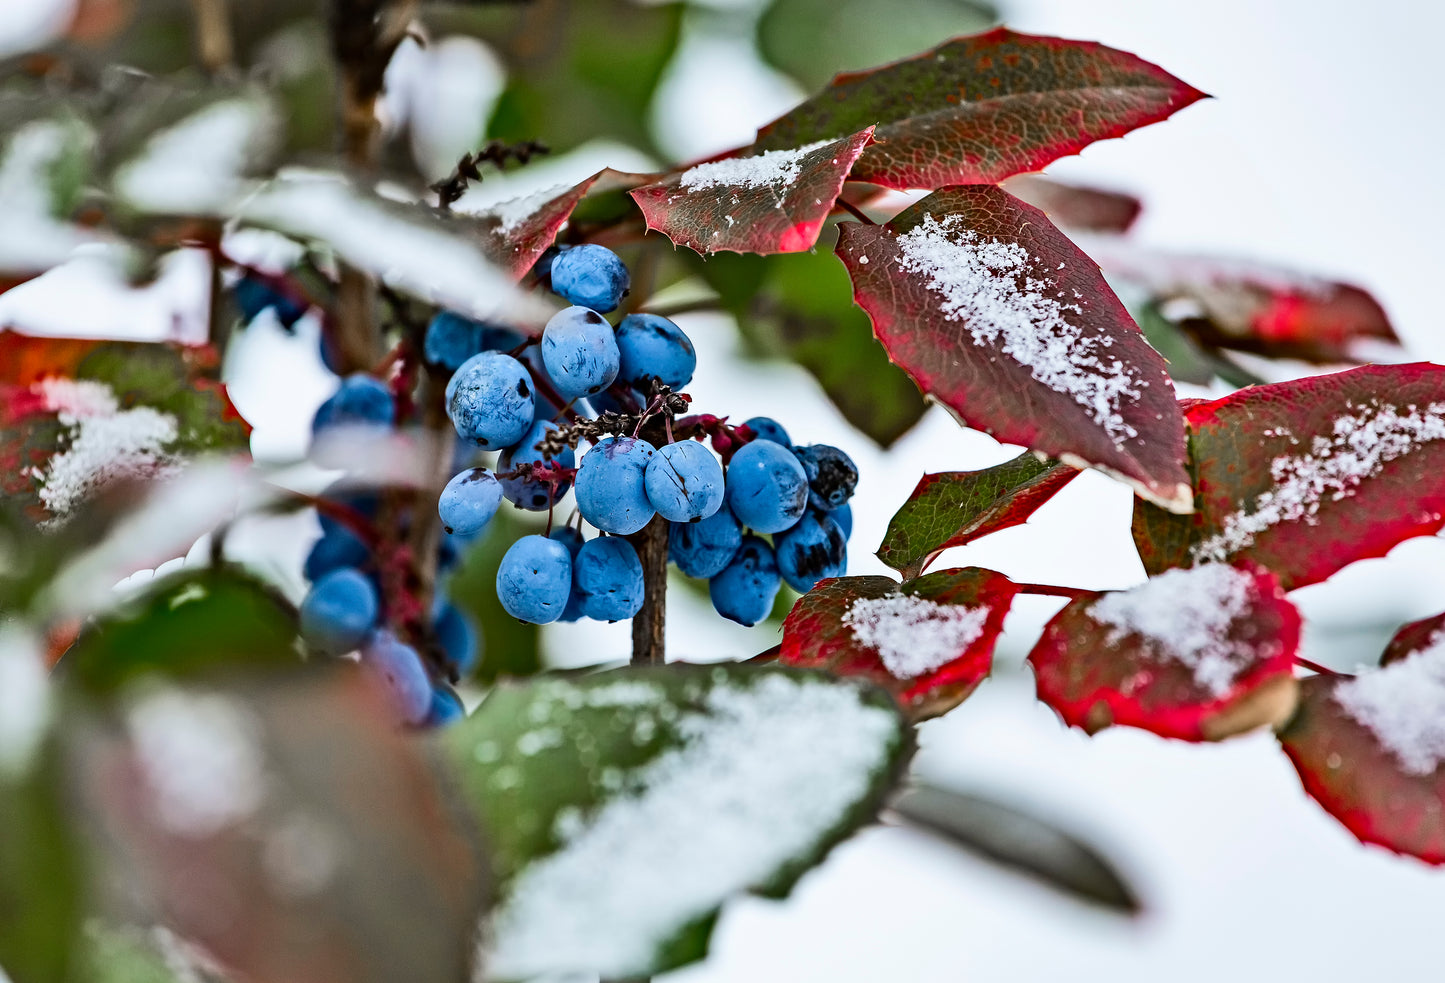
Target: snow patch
{"points": [[770, 169], [913, 635], [987, 284], [197, 166], [1361, 444], [31, 237], [1185, 616], [1403, 705], [514, 212], [764, 773]]}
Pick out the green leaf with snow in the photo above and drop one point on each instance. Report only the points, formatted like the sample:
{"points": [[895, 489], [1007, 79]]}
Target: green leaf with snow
{"points": [[44, 162], [625, 808]]}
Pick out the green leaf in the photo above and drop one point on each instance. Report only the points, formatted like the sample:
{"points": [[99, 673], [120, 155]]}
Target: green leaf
{"points": [[626, 807], [189, 625], [812, 40], [124, 955], [953, 508]]}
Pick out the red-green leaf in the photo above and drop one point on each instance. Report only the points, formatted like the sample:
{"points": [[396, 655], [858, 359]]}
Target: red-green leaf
{"points": [[956, 507], [1305, 477], [983, 108], [928, 641], [79, 415], [769, 202], [1252, 307], [1198, 655], [1370, 749], [997, 315], [1073, 206]]}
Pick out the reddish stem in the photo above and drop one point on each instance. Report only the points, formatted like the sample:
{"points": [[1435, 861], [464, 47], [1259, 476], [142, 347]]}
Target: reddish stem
{"points": [[1049, 590], [1322, 670]]}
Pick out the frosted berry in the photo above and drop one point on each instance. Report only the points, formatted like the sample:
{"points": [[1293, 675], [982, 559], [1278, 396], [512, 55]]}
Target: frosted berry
{"points": [[534, 579], [684, 482], [527, 493], [360, 401], [339, 611], [654, 347], [611, 492], [766, 428], [579, 350], [703, 549], [590, 276], [469, 501], [746, 588], [767, 488], [607, 578], [451, 339], [832, 475], [490, 400], [813, 549]]}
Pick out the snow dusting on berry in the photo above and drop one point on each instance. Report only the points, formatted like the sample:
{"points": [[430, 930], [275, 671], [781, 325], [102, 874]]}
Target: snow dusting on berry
{"points": [[988, 284], [1362, 443], [1186, 616], [773, 169], [1403, 705], [913, 635], [765, 773]]}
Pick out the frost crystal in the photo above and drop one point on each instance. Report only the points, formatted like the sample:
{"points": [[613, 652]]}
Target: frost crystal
{"points": [[772, 169], [1185, 616], [913, 635], [761, 776], [1403, 705], [987, 284], [1362, 443]]}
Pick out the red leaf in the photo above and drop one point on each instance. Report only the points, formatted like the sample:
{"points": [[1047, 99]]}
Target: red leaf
{"points": [[1369, 749], [1071, 206], [1196, 655], [928, 641], [982, 108], [773, 202], [1305, 477], [996, 314], [1252, 307]]}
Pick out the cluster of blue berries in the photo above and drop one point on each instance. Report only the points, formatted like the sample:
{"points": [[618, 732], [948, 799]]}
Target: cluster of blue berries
{"points": [[532, 405]]}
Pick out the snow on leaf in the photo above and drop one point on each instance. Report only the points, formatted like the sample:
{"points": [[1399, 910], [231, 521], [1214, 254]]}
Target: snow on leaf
{"points": [[979, 109], [928, 641], [954, 508], [36, 234], [626, 808], [1403, 705], [997, 315], [1304, 477], [409, 247], [771, 202], [516, 232], [1199, 654]]}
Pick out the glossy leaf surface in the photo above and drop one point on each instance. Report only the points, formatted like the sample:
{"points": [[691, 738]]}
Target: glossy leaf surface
{"points": [[1077, 207]]}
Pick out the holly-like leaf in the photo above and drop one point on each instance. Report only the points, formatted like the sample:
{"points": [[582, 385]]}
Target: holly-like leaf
{"points": [[927, 641], [1307, 476], [1076, 207], [997, 315], [1250, 306], [1370, 748], [982, 108], [80, 416], [773, 201], [287, 827], [954, 508], [1198, 655], [626, 807], [513, 234]]}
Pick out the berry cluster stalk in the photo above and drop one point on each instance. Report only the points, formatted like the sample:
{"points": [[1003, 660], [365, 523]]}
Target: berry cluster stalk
{"points": [[649, 624]]}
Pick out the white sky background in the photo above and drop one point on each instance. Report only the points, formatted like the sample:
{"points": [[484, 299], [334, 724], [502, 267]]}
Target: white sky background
{"points": [[1322, 150]]}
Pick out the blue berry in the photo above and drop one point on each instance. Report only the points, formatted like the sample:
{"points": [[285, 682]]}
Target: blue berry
{"points": [[813, 549], [361, 401], [469, 501], [767, 488], [745, 590], [703, 549], [611, 491], [525, 493], [535, 579], [254, 296], [832, 475], [606, 402], [362, 500], [457, 637], [579, 350], [654, 347], [590, 276], [446, 707], [490, 400], [337, 549], [607, 576], [451, 339], [766, 428], [684, 482], [572, 539], [843, 515], [400, 667], [339, 611]]}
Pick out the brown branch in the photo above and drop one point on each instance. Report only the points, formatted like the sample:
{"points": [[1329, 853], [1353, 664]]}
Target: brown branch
{"points": [[649, 624], [214, 45]]}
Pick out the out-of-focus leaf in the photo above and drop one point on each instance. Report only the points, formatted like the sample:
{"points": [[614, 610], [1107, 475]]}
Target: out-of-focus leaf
{"points": [[797, 306], [927, 641], [80, 415], [129, 955], [1307, 476], [286, 827], [997, 315], [1187, 361], [1019, 841], [812, 40], [954, 508], [189, 625], [45, 154], [1076, 207], [774, 202], [626, 807], [982, 108], [1198, 655]]}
